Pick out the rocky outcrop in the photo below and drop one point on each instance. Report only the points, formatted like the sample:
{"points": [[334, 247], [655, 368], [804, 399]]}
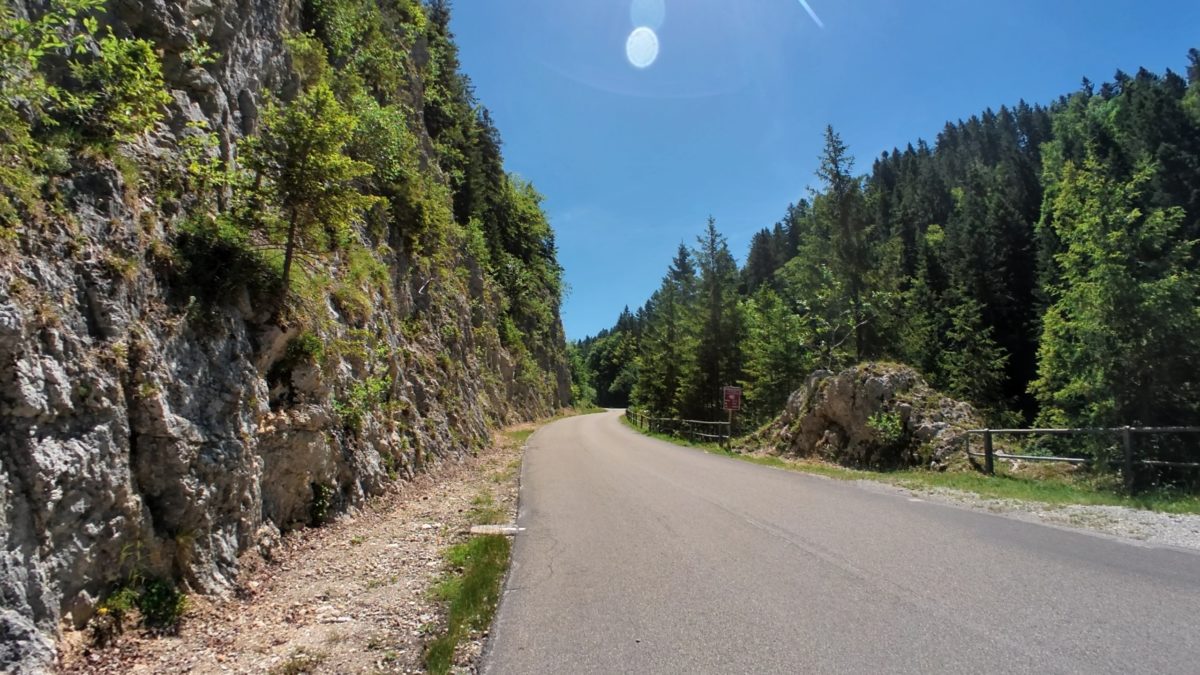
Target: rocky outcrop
{"points": [[145, 429], [873, 416]]}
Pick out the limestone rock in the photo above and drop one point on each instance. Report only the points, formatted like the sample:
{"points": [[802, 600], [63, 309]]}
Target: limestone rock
{"points": [[141, 429], [874, 415]]}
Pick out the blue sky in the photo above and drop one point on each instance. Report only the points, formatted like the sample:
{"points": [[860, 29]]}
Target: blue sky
{"points": [[727, 120]]}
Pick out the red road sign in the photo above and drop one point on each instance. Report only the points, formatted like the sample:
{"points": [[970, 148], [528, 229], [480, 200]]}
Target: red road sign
{"points": [[733, 397]]}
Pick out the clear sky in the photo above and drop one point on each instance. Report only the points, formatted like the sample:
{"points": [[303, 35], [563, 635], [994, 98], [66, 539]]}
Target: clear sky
{"points": [[726, 118]]}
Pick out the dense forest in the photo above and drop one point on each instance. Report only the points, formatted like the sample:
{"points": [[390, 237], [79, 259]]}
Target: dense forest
{"points": [[1040, 262]]}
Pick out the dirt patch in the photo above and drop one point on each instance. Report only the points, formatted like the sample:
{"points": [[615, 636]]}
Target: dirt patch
{"points": [[350, 597]]}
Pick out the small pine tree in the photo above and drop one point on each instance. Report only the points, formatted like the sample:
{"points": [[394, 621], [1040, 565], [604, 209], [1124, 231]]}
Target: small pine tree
{"points": [[971, 364], [309, 178], [777, 359]]}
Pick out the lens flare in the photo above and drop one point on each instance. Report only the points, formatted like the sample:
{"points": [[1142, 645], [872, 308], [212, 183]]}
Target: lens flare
{"points": [[649, 13], [811, 13], [642, 47]]}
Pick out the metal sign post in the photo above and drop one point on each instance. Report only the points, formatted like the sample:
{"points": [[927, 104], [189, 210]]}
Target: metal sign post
{"points": [[732, 397]]}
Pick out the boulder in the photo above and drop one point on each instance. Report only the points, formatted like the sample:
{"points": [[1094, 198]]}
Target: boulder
{"points": [[875, 415]]}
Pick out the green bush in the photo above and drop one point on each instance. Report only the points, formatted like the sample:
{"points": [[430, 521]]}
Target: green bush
{"points": [[305, 348], [215, 260], [888, 426], [120, 91], [162, 604], [322, 503], [25, 157], [361, 399], [159, 603]]}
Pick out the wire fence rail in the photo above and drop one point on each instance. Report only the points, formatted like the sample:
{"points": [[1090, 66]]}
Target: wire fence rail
{"points": [[696, 430], [1129, 461]]}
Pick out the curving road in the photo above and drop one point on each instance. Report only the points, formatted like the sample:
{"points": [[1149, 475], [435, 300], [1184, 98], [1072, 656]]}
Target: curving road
{"points": [[639, 556]]}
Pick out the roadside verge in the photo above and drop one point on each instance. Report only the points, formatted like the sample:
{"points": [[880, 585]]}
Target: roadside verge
{"points": [[1164, 518]]}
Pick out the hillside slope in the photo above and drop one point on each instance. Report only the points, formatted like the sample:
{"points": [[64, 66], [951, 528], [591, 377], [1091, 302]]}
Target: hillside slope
{"points": [[166, 403]]}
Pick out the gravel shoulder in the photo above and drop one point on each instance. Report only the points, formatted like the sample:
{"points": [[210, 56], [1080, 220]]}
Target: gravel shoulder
{"points": [[350, 597], [1151, 527]]}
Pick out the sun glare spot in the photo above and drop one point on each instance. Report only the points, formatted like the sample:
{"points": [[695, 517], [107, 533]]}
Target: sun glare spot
{"points": [[648, 13], [642, 47], [816, 19]]}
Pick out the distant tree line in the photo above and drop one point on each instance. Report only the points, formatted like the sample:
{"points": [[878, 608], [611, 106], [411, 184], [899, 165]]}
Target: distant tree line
{"points": [[1040, 262]]}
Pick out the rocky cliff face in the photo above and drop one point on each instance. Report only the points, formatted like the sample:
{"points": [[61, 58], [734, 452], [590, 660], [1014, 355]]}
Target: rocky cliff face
{"points": [[874, 416], [144, 427]]}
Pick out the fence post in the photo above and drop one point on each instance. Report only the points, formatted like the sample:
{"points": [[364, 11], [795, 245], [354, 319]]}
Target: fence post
{"points": [[989, 457], [1127, 439]]}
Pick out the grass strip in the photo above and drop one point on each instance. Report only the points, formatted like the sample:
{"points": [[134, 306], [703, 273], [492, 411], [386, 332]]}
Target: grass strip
{"points": [[472, 585], [519, 436], [472, 592], [1004, 485]]}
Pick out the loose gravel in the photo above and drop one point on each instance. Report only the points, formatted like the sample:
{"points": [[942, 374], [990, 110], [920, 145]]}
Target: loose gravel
{"points": [[1151, 527]]}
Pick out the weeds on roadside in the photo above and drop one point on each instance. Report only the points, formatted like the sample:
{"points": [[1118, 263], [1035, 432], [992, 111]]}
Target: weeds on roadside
{"points": [[519, 436], [485, 510], [472, 593], [156, 603]]}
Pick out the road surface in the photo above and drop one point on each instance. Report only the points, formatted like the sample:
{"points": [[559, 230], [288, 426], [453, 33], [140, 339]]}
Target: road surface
{"points": [[639, 556]]}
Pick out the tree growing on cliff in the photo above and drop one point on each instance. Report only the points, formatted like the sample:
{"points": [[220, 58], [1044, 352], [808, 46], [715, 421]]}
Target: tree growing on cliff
{"points": [[309, 178]]}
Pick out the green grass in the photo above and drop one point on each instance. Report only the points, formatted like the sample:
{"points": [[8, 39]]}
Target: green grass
{"points": [[1058, 491], [1047, 491], [520, 435], [714, 448], [471, 592], [485, 510], [588, 410], [471, 586]]}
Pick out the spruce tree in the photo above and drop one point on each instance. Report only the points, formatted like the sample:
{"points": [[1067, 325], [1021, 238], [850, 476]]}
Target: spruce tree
{"points": [[841, 207], [718, 358], [1121, 341], [777, 359]]}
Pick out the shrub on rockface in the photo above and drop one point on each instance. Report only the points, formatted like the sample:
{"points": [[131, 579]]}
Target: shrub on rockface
{"points": [[875, 415]]}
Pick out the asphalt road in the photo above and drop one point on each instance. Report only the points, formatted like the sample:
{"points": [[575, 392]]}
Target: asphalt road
{"points": [[639, 556]]}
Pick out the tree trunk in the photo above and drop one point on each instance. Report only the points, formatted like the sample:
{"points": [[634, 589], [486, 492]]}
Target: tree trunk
{"points": [[858, 330], [289, 249]]}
